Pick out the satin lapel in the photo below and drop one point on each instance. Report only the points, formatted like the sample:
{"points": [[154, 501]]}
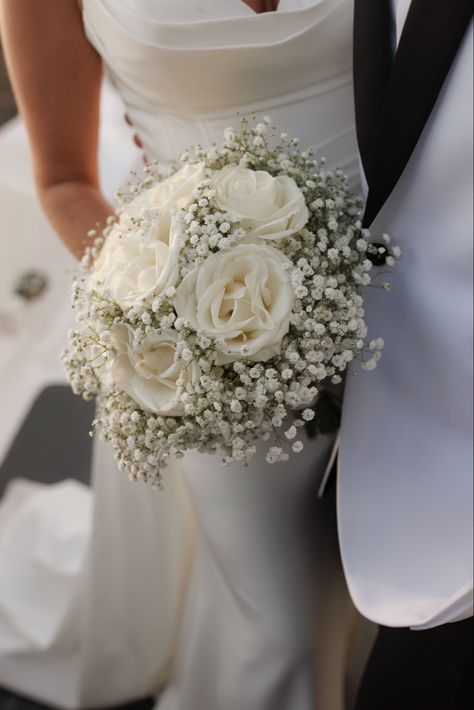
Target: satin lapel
{"points": [[430, 40], [374, 51]]}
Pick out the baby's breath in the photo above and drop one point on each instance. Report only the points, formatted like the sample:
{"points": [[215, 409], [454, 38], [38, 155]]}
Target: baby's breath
{"points": [[229, 407]]}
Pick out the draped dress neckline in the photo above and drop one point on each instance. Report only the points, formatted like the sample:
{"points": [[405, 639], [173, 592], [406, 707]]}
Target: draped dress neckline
{"points": [[208, 25], [186, 70], [234, 14]]}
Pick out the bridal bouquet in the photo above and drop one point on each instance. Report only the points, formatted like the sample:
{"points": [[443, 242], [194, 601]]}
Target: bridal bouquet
{"points": [[218, 301]]}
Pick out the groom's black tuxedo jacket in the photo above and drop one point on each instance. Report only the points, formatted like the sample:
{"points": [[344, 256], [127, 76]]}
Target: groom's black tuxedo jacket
{"points": [[396, 89]]}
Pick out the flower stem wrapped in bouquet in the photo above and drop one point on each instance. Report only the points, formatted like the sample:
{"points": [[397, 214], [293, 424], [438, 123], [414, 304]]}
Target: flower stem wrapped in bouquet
{"points": [[218, 301]]}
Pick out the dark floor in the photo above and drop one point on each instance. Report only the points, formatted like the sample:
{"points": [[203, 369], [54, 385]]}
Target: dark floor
{"points": [[7, 103], [53, 438], [14, 702]]}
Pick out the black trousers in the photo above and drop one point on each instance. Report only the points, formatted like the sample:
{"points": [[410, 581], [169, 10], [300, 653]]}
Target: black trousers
{"points": [[420, 670]]}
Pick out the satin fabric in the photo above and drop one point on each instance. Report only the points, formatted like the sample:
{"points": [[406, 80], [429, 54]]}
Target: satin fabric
{"points": [[266, 621], [185, 70], [405, 470]]}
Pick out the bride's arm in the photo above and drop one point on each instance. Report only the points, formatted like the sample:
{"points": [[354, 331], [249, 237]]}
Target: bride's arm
{"points": [[56, 77]]}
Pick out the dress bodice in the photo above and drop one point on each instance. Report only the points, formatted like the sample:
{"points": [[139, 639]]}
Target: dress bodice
{"points": [[186, 69]]}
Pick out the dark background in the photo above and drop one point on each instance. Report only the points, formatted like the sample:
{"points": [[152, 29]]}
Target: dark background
{"points": [[7, 103]]}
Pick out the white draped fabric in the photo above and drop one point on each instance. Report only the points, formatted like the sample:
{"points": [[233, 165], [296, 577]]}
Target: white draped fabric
{"points": [[266, 617]]}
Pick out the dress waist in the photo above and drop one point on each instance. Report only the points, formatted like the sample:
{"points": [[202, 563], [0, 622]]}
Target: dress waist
{"points": [[165, 135]]}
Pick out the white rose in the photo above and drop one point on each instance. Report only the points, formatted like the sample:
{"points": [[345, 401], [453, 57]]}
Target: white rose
{"points": [[174, 192], [243, 296], [149, 374], [134, 266], [267, 207]]}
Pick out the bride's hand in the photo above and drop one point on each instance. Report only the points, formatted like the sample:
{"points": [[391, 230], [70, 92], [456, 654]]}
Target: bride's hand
{"points": [[56, 76]]}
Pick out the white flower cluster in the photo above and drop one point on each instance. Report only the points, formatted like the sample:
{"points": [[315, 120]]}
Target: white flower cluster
{"points": [[218, 301]]}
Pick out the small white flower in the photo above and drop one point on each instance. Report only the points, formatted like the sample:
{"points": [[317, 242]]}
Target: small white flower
{"points": [[187, 355], [261, 401], [235, 406], [301, 291], [223, 243]]}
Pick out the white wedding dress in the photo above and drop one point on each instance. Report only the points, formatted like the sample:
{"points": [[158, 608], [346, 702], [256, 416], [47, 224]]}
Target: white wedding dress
{"points": [[225, 590]]}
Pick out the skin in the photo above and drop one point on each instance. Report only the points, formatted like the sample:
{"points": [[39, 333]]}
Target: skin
{"points": [[262, 5], [56, 77]]}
